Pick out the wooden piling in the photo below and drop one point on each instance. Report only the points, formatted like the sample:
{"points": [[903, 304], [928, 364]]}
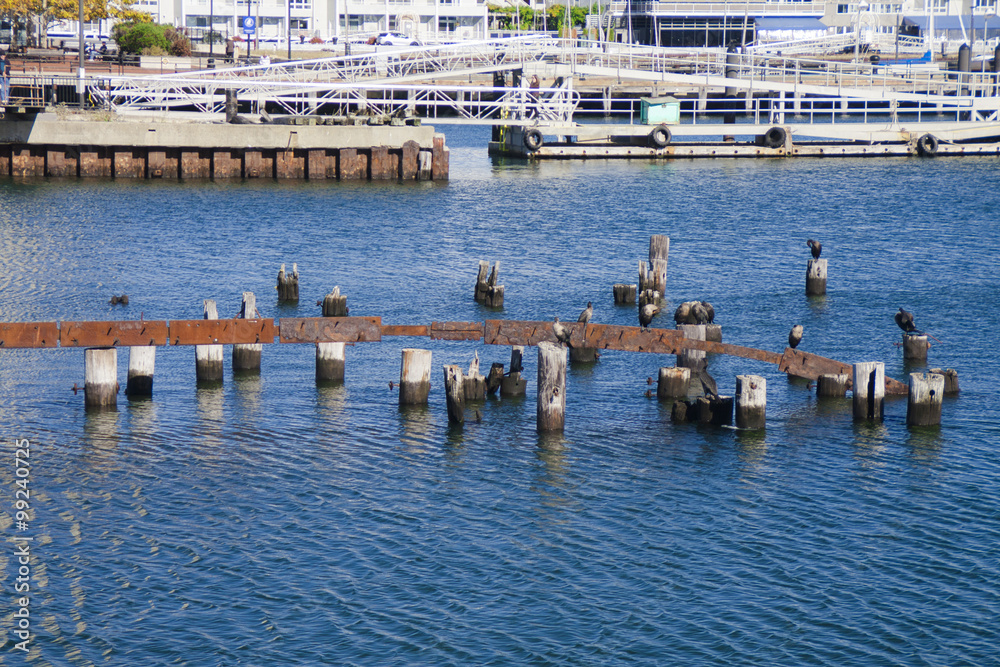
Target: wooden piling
{"points": [[513, 384], [751, 401], [208, 358], [832, 385], [288, 285], [246, 356], [624, 294], [583, 355], [494, 379], [487, 291], [141, 363], [673, 383], [475, 382], [649, 296], [869, 391], [551, 407], [659, 252], [480, 293], [100, 384], [950, 375], [915, 347], [689, 358], [923, 402], [717, 410], [415, 377], [816, 277], [335, 305], [330, 362], [454, 392]]}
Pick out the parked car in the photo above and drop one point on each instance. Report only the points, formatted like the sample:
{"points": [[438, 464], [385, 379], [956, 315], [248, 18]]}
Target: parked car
{"points": [[395, 39]]}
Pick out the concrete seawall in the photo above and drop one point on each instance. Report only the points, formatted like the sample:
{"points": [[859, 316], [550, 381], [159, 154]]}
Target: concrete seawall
{"points": [[51, 146]]}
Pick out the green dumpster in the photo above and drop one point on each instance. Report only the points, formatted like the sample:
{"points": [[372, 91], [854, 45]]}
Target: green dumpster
{"points": [[656, 110]]}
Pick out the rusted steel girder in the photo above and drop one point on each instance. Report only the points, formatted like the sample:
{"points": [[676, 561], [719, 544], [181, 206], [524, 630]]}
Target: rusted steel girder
{"points": [[112, 334], [28, 334], [222, 332], [456, 330], [330, 329], [811, 366]]}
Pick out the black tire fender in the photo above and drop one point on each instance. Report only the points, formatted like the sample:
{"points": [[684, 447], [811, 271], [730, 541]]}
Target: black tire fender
{"points": [[775, 137], [927, 145], [533, 140], [660, 136]]}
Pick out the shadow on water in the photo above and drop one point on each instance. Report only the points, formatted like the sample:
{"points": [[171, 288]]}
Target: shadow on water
{"points": [[417, 427], [923, 443], [101, 437]]}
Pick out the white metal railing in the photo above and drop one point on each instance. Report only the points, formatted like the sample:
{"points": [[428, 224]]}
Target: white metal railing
{"points": [[826, 44], [306, 87], [716, 8]]}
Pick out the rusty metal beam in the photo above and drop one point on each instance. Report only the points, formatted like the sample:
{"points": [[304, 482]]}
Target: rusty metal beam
{"points": [[222, 332], [331, 330], [811, 366], [456, 330], [406, 330], [112, 334], [28, 334]]}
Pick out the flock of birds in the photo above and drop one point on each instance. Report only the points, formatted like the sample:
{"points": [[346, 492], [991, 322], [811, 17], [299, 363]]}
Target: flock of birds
{"points": [[702, 312]]}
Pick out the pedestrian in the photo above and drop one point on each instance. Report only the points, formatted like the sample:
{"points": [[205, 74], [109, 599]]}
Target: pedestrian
{"points": [[4, 77], [230, 49]]}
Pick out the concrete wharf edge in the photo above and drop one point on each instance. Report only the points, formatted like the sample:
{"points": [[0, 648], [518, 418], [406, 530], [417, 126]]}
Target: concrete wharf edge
{"points": [[48, 146], [15, 335]]}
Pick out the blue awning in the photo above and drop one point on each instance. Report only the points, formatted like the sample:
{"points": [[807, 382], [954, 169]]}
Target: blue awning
{"points": [[954, 22], [788, 23]]}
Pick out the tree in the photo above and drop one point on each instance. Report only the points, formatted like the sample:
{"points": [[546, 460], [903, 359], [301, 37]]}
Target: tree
{"points": [[47, 11]]}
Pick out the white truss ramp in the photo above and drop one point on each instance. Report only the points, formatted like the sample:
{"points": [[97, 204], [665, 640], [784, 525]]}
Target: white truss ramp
{"points": [[395, 82]]}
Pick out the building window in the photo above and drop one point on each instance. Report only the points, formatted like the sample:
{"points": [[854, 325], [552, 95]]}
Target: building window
{"points": [[301, 4], [300, 24], [447, 23], [843, 9]]}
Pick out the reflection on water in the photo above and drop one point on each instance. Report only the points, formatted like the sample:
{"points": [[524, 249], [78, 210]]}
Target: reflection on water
{"points": [[101, 438], [417, 424], [924, 443]]}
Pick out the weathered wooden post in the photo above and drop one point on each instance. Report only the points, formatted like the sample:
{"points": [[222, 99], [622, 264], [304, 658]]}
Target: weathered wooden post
{"points": [[713, 333], [551, 409], [716, 410], [335, 305], [832, 385], [751, 401], [208, 358], [141, 364], [688, 357], [454, 393], [816, 277], [494, 379], [330, 362], [513, 384], [659, 252], [673, 383], [475, 382], [288, 285], [923, 402], [487, 291], [624, 294], [649, 296], [246, 356], [869, 391], [951, 375], [415, 377], [100, 378], [915, 347]]}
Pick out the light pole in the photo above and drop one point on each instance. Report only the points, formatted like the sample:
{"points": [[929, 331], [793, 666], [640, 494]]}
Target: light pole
{"points": [[857, 30], [211, 23], [288, 28]]}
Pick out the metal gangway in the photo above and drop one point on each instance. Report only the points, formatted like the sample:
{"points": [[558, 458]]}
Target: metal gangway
{"points": [[395, 81]]}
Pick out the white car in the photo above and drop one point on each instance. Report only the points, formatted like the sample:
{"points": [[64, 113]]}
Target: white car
{"points": [[395, 39]]}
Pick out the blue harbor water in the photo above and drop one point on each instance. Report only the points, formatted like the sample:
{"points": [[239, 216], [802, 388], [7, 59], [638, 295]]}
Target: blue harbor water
{"points": [[273, 522]]}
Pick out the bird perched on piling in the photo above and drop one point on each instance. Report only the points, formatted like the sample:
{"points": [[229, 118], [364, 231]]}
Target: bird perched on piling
{"points": [[905, 321], [795, 336], [709, 310], [646, 315], [561, 333], [816, 248], [682, 313], [707, 381], [700, 312], [587, 313]]}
